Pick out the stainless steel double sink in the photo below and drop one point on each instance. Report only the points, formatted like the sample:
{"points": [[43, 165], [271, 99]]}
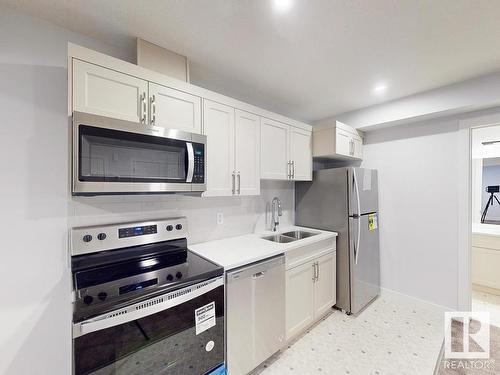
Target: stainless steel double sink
{"points": [[290, 236]]}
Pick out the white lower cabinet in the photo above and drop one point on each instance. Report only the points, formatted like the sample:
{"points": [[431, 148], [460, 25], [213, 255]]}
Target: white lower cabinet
{"points": [[310, 292], [485, 262], [324, 287], [299, 299]]}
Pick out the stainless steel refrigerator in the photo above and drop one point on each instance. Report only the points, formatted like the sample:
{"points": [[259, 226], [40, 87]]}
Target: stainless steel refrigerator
{"points": [[345, 200]]}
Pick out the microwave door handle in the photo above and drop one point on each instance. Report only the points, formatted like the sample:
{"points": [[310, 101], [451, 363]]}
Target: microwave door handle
{"points": [[190, 166]]}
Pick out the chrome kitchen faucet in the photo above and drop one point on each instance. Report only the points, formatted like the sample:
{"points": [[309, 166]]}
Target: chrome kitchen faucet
{"points": [[275, 216]]}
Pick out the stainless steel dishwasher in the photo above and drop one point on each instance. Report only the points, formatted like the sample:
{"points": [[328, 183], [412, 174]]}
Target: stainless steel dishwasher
{"points": [[255, 314]]}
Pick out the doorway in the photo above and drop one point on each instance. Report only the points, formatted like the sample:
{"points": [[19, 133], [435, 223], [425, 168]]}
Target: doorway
{"points": [[485, 220]]}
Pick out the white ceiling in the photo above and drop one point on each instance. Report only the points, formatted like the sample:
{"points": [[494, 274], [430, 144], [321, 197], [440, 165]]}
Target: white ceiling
{"points": [[320, 58]]}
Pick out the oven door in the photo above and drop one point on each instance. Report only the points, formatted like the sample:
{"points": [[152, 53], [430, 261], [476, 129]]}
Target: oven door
{"points": [[118, 157], [181, 332]]}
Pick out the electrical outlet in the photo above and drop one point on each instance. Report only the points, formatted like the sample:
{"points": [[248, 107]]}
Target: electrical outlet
{"points": [[220, 218]]}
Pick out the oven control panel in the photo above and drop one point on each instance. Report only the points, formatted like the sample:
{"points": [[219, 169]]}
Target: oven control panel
{"points": [[93, 295], [85, 240]]}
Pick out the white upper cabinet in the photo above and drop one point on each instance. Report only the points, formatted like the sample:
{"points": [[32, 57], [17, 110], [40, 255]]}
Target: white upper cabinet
{"points": [[300, 154], [218, 126], [245, 143], [105, 92], [286, 152], [174, 109], [233, 149], [247, 153], [357, 144], [274, 158], [337, 141]]}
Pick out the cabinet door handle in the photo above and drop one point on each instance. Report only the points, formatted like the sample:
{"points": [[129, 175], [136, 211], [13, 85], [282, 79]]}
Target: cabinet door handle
{"points": [[293, 169], [239, 182], [153, 110], [234, 185], [144, 108], [314, 272], [288, 170], [317, 271]]}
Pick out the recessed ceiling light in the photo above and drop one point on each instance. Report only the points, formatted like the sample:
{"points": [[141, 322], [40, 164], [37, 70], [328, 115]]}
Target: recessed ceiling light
{"points": [[282, 6], [380, 89]]}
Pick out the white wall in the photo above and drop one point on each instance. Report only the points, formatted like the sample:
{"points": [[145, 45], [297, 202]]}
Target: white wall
{"points": [[37, 209], [418, 196], [241, 214], [419, 191]]}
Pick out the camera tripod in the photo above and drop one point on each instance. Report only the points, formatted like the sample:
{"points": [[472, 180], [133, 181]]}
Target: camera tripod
{"points": [[488, 204]]}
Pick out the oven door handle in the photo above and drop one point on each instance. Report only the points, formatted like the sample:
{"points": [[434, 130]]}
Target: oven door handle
{"points": [[190, 169], [145, 308]]}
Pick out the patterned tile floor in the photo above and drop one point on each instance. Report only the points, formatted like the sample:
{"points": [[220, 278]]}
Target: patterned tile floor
{"points": [[394, 335], [482, 301]]}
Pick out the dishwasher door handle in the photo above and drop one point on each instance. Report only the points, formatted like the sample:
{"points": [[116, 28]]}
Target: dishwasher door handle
{"points": [[258, 274]]}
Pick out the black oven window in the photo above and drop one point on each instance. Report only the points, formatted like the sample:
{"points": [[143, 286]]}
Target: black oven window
{"points": [[160, 344], [117, 156]]}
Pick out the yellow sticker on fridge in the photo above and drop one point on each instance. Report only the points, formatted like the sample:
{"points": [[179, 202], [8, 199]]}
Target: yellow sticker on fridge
{"points": [[372, 221]]}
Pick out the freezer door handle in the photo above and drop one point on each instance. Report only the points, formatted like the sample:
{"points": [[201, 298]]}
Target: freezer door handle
{"points": [[356, 246]]}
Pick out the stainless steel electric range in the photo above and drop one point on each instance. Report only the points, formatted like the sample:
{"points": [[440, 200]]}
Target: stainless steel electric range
{"points": [[144, 303]]}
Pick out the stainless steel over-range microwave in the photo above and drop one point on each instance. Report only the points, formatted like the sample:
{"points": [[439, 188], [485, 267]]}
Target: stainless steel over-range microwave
{"points": [[113, 156]]}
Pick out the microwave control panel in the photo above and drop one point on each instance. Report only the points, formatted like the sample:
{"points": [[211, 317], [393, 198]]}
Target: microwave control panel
{"points": [[199, 163]]}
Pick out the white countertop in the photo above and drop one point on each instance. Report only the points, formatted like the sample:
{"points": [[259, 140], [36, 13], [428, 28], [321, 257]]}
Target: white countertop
{"points": [[238, 251], [488, 229]]}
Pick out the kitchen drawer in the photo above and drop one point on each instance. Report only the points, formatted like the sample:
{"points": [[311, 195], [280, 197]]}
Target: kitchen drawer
{"points": [[306, 253]]}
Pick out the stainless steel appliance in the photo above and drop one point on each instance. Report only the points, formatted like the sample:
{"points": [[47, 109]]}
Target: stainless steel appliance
{"points": [[255, 314], [345, 200], [144, 303], [113, 156]]}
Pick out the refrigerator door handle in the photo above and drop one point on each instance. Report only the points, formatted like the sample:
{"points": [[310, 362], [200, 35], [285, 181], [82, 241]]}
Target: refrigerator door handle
{"points": [[356, 248]]}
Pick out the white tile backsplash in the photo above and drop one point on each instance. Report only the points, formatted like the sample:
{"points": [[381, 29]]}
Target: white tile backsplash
{"points": [[242, 215]]}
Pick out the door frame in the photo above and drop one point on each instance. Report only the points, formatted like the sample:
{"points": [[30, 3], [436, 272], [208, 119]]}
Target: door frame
{"points": [[464, 154]]}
